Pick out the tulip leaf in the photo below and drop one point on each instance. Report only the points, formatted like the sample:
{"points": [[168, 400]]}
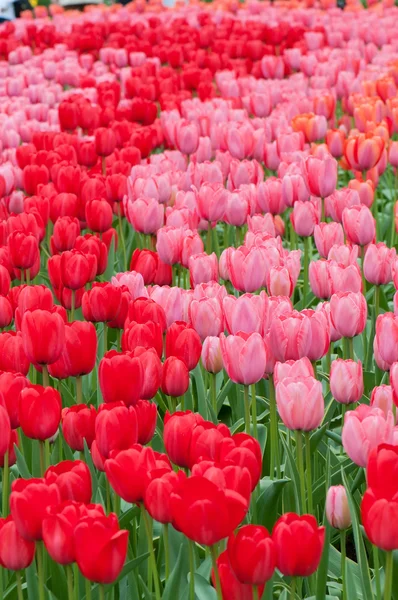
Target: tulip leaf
{"points": [[292, 472], [31, 582], [268, 501], [110, 267], [89, 462], [224, 393], [21, 464], [359, 544], [203, 589], [200, 388], [175, 581]]}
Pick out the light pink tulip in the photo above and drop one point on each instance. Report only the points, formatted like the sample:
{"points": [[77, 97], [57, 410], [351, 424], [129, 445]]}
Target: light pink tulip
{"points": [[378, 262], [346, 381], [382, 398], [386, 339], [366, 428], [133, 281], [245, 313], [211, 355], [169, 244], [206, 316], [359, 225], [320, 175], [247, 268], [304, 218], [320, 333], [290, 336], [244, 357], [320, 278], [300, 403], [294, 369], [337, 508], [348, 311], [345, 278], [327, 235], [145, 214], [212, 201], [203, 268]]}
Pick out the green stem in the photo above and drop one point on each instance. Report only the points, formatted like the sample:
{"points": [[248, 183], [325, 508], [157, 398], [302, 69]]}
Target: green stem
{"points": [[42, 459], [376, 566], [69, 578], [76, 581], [328, 365], [247, 408], [300, 464], [343, 561], [46, 379], [208, 239], [108, 496], [22, 277], [323, 217], [101, 590], [293, 589], [5, 490], [166, 550], [105, 337], [254, 411], [72, 307], [19, 585], [122, 240], [191, 546], [213, 550], [213, 393], [255, 592], [88, 589], [275, 462], [351, 348], [40, 569], [103, 165], [388, 576], [392, 235], [79, 390], [307, 241], [375, 313], [151, 552], [308, 470], [116, 504]]}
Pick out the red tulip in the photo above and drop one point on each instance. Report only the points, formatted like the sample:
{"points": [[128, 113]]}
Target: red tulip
{"points": [[65, 232], [11, 385], [143, 310], [175, 377], [5, 429], [77, 269], [146, 335], [43, 336], [120, 377], [115, 428], [90, 244], [16, 553], [39, 411], [105, 141], [99, 215], [183, 342], [12, 354], [24, 250], [146, 419], [231, 587], [102, 303], [157, 493], [152, 371], [128, 472], [252, 555], [73, 479], [80, 352], [58, 529], [241, 450], [29, 501], [177, 435], [78, 424], [6, 314]]}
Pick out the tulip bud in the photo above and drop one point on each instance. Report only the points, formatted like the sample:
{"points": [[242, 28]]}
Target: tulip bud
{"points": [[346, 381], [337, 509]]}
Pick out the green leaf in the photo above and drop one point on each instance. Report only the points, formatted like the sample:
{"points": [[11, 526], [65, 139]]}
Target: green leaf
{"points": [[268, 502], [110, 268], [89, 462], [21, 464], [322, 573], [202, 402], [175, 581], [203, 589]]}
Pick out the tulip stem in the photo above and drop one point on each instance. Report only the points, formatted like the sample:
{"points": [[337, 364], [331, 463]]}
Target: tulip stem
{"points": [[308, 470], [274, 431], [166, 550], [42, 459], [19, 585], [121, 234], [213, 550], [392, 238], [307, 241], [76, 582], [293, 589], [343, 561], [388, 569], [79, 390], [300, 465], [191, 546], [40, 569], [101, 592], [88, 589], [376, 566], [69, 578], [151, 552], [46, 379], [103, 166], [208, 239], [5, 490], [108, 496], [323, 217], [254, 411], [72, 305], [213, 394], [247, 408], [105, 337], [255, 592], [376, 305]]}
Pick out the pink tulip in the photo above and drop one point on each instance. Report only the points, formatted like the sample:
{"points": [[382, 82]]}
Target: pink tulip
{"points": [[327, 235], [346, 381], [320, 333], [320, 175], [345, 278], [304, 218], [294, 369], [365, 190], [192, 245], [244, 357], [210, 290], [320, 279], [337, 508], [212, 201], [334, 334], [340, 200], [246, 313], [366, 428], [382, 398], [169, 244], [244, 172], [386, 338], [211, 355], [279, 282], [145, 214], [378, 262], [359, 225], [261, 224], [270, 196], [237, 209], [394, 382], [240, 140], [246, 268], [343, 254], [133, 281], [203, 268], [300, 403], [186, 136], [207, 317], [294, 189], [170, 299], [348, 311], [290, 336]]}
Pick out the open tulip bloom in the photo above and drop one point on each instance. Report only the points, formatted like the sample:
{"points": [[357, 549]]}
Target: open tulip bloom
{"points": [[198, 301]]}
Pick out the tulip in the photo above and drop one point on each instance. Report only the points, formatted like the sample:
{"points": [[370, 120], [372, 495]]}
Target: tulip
{"points": [[345, 278], [183, 342], [78, 424], [203, 268], [320, 175], [359, 225], [29, 501], [144, 310], [169, 244], [304, 218], [339, 201], [237, 209], [246, 268], [103, 561], [99, 215], [65, 232], [290, 336], [146, 215], [346, 381], [146, 419], [58, 529], [320, 278], [138, 461], [211, 355], [43, 336], [394, 382], [158, 492], [186, 136], [116, 428], [177, 435], [298, 543], [244, 357], [363, 151], [146, 335], [5, 428], [207, 317], [105, 141], [73, 479], [320, 333], [279, 282], [300, 402], [348, 311], [326, 235], [212, 201], [23, 249], [337, 509], [245, 313], [120, 377], [378, 263], [386, 334], [364, 429], [12, 355], [251, 553], [16, 553], [39, 411], [382, 397], [231, 587], [293, 368], [335, 142], [175, 377]]}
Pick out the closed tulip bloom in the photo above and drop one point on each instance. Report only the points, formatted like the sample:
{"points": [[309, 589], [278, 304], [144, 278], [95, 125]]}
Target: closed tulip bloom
{"points": [[244, 357], [203, 268], [364, 429], [304, 218], [120, 377], [335, 139], [207, 317], [146, 215], [247, 268], [12, 354], [394, 382], [300, 403], [152, 371], [103, 561], [320, 279], [138, 461], [102, 303], [11, 385], [359, 225], [320, 333], [245, 313], [236, 210], [337, 509], [146, 420], [327, 235], [65, 232], [16, 553], [339, 201], [158, 491], [78, 424], [279, 282], [80, 350], [378, 262], [348, 311], [43, 336], [73, 479], [192, 244], [23, 250], [252, 554], [204, 512], [211, 355], [379, 506], [177, 435], [320, 175], [146, 335], [365, 189], [116, 428], [345, 278], [144, 310], [99, 215], [6, 314], [290, 336], [386, 338], [5, 429], [206, 443], [269, 196], [5, 281], [382, 397], [29, 502], [183, 342], [39, 411], [363, 151], [346, 381], [169, 244], [58, 529], [105, 141], [175, 377], [212, 201], [299, 544], [293, 368], [231, 587], [186, 135]]}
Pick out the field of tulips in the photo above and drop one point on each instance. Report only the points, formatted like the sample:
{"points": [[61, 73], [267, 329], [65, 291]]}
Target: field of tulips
{"points": [[198, 306]]}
